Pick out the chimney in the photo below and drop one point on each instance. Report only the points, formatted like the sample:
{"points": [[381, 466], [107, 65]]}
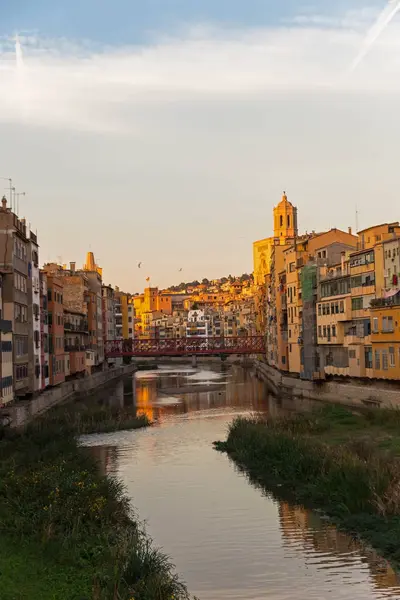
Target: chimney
{"points": [[4, 204], [72, 266], [350, 230]]}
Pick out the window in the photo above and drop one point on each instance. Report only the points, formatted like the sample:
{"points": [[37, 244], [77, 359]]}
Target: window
{"points": [[49, 295], [319, 331], [324, 309], [332, 308], [324, 254], [327, 309], [290, 347], [352, 353], [334, 331], [357, 303], [337, 307], [385, 363], [387, 324], [377, 360], [328, 331], [375, 325], [342, 306], [21, 371], [368, 357], [281, 221], [319, 309], [324, 330], [292, 267], [294, 291], [362, 259], [392, 357]]}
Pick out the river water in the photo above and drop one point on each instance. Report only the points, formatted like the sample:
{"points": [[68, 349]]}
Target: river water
{"points": [[228, 539]]}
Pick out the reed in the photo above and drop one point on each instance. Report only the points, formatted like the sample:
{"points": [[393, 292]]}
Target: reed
{"points": [[346, 464], [67, 526]]}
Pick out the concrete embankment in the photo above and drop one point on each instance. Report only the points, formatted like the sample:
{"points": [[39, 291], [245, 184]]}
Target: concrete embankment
{"points": [[351, 392], [20, 413]]}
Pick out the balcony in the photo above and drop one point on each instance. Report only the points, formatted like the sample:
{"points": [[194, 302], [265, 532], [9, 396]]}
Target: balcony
{"points": [[81, 326], [75, 348]]}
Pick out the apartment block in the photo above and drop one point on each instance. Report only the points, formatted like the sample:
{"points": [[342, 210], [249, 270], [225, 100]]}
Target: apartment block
{"points": [[56, 329], [6, 352], [14, 249], [34, 316], [44, 331]]}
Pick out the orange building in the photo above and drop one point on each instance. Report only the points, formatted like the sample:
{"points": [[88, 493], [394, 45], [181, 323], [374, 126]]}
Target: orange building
{"points": [[56, 329], [384, 353]]}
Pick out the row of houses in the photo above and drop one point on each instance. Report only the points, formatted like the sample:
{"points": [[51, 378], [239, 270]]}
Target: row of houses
{"points": [[160, 314], [330, 301], [54, 321]]}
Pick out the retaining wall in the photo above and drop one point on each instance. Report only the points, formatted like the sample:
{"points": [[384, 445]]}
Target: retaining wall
{"points": [[350, 393], [22, 412]]}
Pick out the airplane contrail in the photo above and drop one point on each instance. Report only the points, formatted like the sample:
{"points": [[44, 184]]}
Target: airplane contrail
{"points": [[19, 58], [377, 29]]}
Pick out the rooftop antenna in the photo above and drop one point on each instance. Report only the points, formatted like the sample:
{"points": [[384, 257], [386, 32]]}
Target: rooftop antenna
{"points": [[356, 219]]}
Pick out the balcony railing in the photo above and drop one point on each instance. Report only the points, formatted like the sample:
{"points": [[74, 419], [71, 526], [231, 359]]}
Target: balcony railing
{"points": [[80, 326], [75, 348]]}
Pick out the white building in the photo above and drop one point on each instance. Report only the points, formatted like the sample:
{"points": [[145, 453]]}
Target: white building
{"points": [[35, 357], [197, 324]]}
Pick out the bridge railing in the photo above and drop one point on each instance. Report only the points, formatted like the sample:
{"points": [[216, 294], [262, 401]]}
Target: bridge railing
{"points": [[185, 346]]}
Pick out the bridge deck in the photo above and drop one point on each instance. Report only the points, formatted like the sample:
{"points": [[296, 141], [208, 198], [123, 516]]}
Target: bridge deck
{"points": [[187, 346]]}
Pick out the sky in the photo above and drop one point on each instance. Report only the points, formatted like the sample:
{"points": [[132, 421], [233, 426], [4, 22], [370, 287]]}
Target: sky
{"points": [[164, 131]]}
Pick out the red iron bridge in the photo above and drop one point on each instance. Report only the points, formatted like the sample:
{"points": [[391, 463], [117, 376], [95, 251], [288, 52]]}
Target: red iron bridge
{"points": [[187, 346]]}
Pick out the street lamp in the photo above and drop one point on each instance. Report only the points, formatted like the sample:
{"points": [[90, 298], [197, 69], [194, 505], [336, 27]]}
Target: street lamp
{"points": [[11, 188]]}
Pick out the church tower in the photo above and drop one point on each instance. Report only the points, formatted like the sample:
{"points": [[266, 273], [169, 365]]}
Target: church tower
{"points": [[285, 220]]}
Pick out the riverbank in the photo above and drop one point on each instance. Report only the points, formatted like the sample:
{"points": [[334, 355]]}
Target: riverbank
{"points": [[340, 390], [66, 530], [345, 464], [21, 412]]}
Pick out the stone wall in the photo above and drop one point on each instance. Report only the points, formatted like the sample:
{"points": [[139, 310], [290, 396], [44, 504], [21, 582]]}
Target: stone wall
{"points": [[349, 393], [22, 412]]}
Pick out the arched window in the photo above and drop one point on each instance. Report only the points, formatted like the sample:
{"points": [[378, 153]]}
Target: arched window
{"points": [[281, 221], [288, 220]]}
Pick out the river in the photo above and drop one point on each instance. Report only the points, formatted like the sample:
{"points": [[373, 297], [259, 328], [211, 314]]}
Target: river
{"points": [[228, 539]]}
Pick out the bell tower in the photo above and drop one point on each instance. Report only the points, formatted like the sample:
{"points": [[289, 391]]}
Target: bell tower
{"points": [[285, 220]]}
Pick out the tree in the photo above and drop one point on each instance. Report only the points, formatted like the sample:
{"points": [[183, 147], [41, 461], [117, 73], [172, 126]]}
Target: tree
{"points": [[205, 281]]}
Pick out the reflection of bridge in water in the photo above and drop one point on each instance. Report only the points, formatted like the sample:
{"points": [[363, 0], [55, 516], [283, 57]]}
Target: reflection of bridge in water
{"points": [[186, 346]]}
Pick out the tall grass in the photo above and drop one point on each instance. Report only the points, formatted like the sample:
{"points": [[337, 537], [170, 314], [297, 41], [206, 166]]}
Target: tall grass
{"points": [[54, 504], [328, 459]]}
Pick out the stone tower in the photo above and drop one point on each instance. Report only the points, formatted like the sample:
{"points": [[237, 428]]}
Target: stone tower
{"points": [[285, 220]]}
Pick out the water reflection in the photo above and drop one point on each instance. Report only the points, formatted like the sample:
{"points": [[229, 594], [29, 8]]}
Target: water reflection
{"points": [[228, 539]]}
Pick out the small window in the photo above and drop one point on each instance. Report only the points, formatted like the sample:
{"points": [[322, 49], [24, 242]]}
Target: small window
{"points": [[281, 221], [392, 357], [375, 325], [377, 360], [319, 331], [342, 306], [385, 362], [334, 331], [319, 309]]}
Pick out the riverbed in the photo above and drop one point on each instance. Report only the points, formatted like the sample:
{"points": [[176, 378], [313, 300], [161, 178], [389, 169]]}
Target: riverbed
{"points": [[228, 539]]}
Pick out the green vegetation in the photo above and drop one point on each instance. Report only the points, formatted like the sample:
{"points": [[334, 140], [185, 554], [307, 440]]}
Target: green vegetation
{"points": [[66, 531], [94, 418], [344, 463]]}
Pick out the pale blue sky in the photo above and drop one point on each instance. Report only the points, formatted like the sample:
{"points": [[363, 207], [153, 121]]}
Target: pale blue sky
{"points": [[165, 130]]}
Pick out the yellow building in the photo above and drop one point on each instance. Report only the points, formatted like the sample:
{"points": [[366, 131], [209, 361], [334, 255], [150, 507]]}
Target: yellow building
{"points": [[384, 353], [285, 221], [262, 259]]}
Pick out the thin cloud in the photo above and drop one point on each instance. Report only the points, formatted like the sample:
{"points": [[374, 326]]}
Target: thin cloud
{"points": [[64, 84]]}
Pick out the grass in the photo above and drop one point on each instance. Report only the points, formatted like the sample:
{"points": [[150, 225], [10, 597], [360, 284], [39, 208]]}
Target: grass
{"points": [[344, 463], [66, 531], [85, 419]]}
